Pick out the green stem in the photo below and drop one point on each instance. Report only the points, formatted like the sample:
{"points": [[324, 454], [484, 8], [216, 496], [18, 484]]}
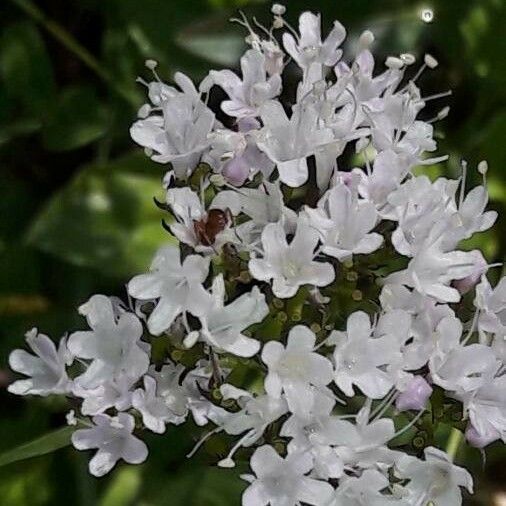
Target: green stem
{"points": [[453, 444], [66, 39]]}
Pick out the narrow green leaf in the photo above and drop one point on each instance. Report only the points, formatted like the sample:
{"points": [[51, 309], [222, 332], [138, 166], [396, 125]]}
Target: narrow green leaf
{"points": [[41, 446]]}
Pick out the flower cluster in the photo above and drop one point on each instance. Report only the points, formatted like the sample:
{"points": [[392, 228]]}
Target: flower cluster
{"points": [[308, 304]]}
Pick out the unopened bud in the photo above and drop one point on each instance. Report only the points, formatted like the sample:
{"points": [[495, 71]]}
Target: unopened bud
{"points": [[483, 167], [278, 9], [415, 396], [151, 64], [366, 39], [443, 113]]}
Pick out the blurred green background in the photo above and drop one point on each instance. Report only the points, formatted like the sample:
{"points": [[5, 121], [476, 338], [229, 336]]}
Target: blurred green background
{"points": [[76, 210]]}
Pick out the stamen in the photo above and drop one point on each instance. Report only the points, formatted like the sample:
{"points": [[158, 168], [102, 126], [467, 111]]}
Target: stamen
{"points": [[202, 441]]}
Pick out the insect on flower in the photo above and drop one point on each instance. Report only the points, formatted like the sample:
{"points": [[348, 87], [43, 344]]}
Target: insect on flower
{"points": [[209, 227]]}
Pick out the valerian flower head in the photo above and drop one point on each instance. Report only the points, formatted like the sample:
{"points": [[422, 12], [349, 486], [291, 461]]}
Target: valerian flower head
{"points": [[113, 439], [282, 482], [46, 370], [176, 287], [280, 243]]}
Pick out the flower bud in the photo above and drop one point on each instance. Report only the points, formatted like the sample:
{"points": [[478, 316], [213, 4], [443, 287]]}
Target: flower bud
{"points": [[415, 395], [474, 438], [466, 284], [236, 170], [278, 9]]}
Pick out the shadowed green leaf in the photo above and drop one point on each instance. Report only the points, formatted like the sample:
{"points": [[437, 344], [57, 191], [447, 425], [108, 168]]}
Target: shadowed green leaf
{"points": [[40, 446]]}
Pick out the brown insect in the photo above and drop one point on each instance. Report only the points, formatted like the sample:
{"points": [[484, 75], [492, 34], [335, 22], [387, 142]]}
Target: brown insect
{"points": [[209, 227]]}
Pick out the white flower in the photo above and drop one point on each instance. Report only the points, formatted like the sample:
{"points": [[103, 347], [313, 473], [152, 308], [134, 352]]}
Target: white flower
{"points": [[472, 215], [263, 205], [113, 438], [294, 369], [46, 369], [222, 325], [309, 48], [113, 344], [364, 443], [248, 94], [188, 211], [282, 482], [361, 360], [290, 266], [487, 408], [256, 414], [345, 223], [114, 392], [195, 384], [152, 406], [435, 479], [463, 368], [179, 135], [432, 270], [178, 287], [236, 155], [288, 141], [317, 432], [364, 490], [169, 388], [492, 306]]}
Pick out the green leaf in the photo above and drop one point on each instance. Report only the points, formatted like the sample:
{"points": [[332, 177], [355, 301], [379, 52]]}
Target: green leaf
{"points": [[40, 446], [25, 67], [76, 120], [104, 218]]}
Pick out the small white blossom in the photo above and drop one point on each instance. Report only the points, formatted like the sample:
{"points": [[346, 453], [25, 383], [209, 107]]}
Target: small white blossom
{"points": [[345, 223], [113, 438], [279, 481], [46, 369], [222, 325], [434, 479], [294, 369], [113, 344], [290, 266], [177, 287]]}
